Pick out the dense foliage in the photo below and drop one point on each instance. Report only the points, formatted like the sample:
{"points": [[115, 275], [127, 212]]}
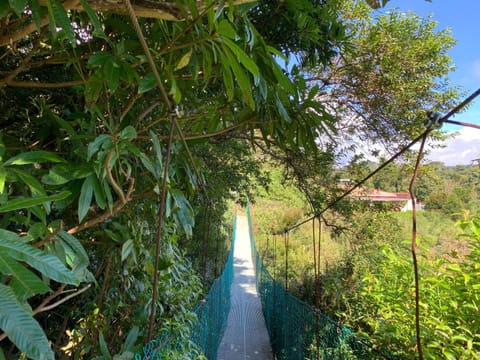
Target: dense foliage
{"points": [[85, 156], [396, 70], [85, 152]]}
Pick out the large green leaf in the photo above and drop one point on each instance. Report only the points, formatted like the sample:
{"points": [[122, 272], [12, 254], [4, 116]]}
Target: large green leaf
{"points": [[21, 328], [242, 78], [13, 246], [76, 253], [226, 29], [242, 57], [63, 173], [128, 133], [130, 341], [32, 157], [99, 193], [111, 73], [127, 248], [101, 141], [24, 283], [147, 83], [227, 77], [99, 58], [93, 88], [75, 256], [25, 203], [104, 347], [37, 13], [184, 60], [85, 198], [35, 187], [60, 17], [4, 10], [157, 148], [182, 211]]}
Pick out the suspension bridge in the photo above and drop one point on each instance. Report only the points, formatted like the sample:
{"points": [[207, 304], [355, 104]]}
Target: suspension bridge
{"points": [[248, 315]]}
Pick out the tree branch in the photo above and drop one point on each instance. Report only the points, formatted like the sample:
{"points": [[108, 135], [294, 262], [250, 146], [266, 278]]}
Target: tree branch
{"points": [[22, 66], [44, 305], [202, 136], [111, 180], [143, 8], [32, 84], [50, 237]]}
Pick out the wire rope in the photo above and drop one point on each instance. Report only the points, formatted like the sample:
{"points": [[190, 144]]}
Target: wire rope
{"points": [[441, 120]]}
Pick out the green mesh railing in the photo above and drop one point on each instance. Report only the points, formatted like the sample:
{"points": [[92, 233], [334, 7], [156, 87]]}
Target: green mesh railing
{"points": [[212, 314], [299, 331]]}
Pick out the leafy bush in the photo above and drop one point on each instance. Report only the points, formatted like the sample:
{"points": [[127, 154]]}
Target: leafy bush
{"points": [[449, 296]]}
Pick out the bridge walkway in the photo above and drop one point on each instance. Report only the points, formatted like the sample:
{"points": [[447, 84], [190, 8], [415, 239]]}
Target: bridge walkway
{"points": [[246, 335]]}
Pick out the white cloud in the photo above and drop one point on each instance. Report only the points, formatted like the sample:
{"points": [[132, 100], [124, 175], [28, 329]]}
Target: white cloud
{"points": [[460, 150]]}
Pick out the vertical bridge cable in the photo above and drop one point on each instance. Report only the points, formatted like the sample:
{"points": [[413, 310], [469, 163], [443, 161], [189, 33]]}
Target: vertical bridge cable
{"points": [[315, 288], [414, 247], [320, 236], [206, 240], [274, 257], [315, 273], [317, 282], [274, 300], [265, 253], [286, 259], [217, 248]]}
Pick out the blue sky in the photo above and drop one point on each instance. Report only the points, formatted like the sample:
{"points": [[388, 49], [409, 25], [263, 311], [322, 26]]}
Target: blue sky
{"points": [[462, 18]]}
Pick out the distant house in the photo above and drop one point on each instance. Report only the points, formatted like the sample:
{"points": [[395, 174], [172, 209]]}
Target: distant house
{"points": [[402, 198]]}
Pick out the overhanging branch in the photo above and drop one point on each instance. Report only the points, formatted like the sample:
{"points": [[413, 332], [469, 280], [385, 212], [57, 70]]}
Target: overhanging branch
{"points": [[143, 8]]}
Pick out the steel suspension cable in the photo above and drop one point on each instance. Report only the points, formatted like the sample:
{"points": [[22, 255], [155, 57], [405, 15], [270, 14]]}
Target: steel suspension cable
{"points": [[441, 120], [461, 123], [358, 184]]}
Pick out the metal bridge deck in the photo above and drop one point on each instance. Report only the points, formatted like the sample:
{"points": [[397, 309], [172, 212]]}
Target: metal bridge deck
{"points": [[246, 335]]}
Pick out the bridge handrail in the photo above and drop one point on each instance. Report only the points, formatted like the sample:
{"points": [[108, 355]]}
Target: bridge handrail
{"points": [[299, 331]]}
